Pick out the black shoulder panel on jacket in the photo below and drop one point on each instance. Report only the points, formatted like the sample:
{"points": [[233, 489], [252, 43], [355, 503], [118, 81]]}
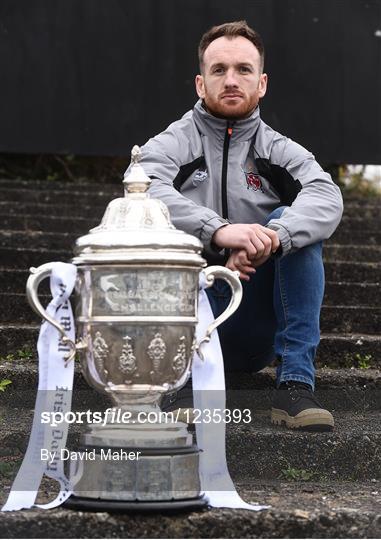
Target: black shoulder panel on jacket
{"points": [[285, 185], [186, 170]]}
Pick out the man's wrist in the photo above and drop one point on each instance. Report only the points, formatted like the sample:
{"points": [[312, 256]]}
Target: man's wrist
{"points": [[283, 235], [213, 243]]}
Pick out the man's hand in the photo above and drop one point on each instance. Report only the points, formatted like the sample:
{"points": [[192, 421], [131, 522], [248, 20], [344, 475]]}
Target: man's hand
{"points": [[238, 260], [258, 241]]}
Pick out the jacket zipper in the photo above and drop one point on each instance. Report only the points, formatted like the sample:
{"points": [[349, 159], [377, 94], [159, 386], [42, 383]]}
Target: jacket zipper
{"points": [[224, 176]]}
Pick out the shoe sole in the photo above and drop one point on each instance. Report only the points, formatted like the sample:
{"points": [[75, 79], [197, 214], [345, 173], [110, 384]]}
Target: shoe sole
{"points": [[308, 420]]}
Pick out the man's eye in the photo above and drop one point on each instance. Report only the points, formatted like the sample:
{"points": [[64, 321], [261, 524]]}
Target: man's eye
{"points": [[218, 70], [245, 69]]}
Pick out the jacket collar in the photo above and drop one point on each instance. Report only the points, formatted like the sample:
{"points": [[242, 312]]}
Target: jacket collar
{"points": [[206, 123]]}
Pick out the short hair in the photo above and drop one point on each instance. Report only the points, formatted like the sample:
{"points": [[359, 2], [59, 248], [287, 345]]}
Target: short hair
{"points": [[231, 30]]}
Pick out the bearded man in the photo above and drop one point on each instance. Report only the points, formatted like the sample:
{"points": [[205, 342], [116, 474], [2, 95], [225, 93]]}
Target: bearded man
{"points": [[261, 205]]}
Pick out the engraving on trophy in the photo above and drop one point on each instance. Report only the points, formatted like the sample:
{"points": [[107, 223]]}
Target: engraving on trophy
{"points": [[140, 292], [147, 218], [165, 211], [117, 480], [156, 352], [180, 360], [127, 360], [154, 479], [123, 212], [101, 351]]}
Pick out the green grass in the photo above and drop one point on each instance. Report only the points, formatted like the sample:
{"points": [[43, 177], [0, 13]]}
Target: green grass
{"points": [[26, 353], [297, 475], [4, 383], [363, 360]]}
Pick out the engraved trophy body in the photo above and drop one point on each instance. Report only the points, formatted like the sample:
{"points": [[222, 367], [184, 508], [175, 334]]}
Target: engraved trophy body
{"points": [[137, 293]]}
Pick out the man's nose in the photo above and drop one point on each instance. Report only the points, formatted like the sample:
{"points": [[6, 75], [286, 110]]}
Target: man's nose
{"points": [[230, 78]]}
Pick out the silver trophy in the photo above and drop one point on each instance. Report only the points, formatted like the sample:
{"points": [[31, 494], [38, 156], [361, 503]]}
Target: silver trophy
{"points": [[137, 294]]}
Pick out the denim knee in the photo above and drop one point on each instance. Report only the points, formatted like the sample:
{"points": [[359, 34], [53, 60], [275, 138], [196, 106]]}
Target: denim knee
{"points": [[275, 214]]}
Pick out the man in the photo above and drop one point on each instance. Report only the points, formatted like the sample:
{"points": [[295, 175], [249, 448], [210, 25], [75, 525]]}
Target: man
{"points": [[260, 204]]}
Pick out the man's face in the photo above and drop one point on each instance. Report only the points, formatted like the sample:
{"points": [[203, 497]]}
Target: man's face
{"points": [[232, 83]]}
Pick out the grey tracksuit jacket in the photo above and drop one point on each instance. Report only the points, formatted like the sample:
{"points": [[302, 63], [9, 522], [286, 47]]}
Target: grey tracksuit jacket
{"points": [[210, 172]]}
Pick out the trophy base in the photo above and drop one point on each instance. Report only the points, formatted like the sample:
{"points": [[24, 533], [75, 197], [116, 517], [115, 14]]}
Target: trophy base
{"points": [[124, 477], [84, 504]]}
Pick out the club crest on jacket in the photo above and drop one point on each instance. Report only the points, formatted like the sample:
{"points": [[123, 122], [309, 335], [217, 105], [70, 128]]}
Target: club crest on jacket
{"points": [[253, 181], [200, 176]]}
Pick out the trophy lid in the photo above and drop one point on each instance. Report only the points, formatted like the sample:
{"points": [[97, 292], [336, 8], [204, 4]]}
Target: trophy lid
{"points": [[137, 228]]}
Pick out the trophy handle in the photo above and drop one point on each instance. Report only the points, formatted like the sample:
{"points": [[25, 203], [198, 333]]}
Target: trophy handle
{"points": [[220, 272], [34, 280]]}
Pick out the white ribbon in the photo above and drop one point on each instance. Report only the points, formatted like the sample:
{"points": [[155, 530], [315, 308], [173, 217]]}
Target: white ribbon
{"points": [[55, 386], [208, 380]]}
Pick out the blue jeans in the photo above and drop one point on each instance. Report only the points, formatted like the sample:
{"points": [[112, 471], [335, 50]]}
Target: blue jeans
{"points": [[278, 316]]}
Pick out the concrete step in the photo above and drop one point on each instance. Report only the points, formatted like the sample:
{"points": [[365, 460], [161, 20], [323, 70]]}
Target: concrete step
{"points": [[352, 294], [350, 319], [349, 350], [298, 510], [255, 448], [354, 205], [335, 350], [23, 258], [45, 209], [27, 207], [54, 220], [365, 210], [15, 337], [113, 184], [334, 319], [351, 253], [358, 272], [356, 236], [65, 240], [14, 281], [350, 222], [74, 225], [359, 202], [36, 246], [99, 195], [38, 240], [350, 389], [342, 263], [53, 210]]}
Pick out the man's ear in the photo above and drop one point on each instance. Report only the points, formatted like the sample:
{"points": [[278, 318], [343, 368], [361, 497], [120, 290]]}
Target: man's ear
{"points": [[262, 87], [200, 87]]}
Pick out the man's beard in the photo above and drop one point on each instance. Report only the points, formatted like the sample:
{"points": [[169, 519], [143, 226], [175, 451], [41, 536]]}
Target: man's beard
{"points": [[221, 110]]}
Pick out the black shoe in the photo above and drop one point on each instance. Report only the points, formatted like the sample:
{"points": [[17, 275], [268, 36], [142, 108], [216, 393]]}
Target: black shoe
{"points": [[294, 404]]}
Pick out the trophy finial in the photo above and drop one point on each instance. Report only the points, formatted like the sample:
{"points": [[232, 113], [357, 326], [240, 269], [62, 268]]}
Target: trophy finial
{"points": [[136, 155], [135, 179]]}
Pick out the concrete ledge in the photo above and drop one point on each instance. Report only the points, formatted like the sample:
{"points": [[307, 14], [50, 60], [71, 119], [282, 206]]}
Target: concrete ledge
{"points": [[306, 510]]}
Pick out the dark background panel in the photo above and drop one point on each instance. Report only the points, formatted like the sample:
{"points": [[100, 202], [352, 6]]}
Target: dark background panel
{"points": [[93, 77]]}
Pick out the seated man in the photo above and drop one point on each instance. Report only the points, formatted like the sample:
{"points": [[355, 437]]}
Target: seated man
{"points": [[260, 204]]}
